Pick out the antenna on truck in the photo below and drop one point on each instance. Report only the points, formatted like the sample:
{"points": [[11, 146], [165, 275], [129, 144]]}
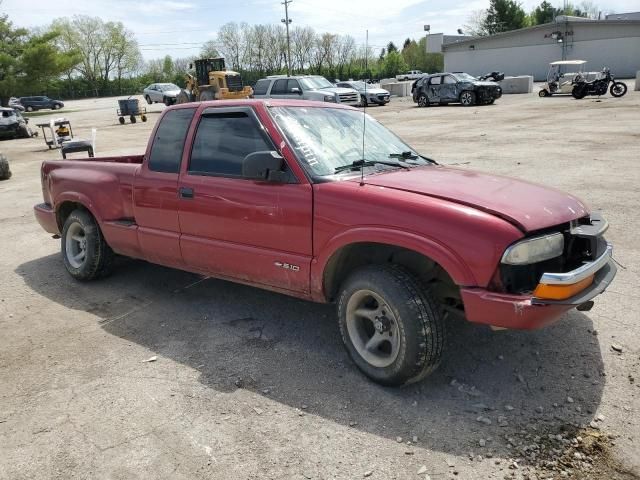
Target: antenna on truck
{"points": [[364, 105]]}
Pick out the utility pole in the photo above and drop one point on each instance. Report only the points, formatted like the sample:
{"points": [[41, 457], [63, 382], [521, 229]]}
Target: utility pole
{"points": [[286, 20]]}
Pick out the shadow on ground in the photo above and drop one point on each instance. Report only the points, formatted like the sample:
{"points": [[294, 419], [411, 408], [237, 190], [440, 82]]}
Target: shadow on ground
{"points": [[242, 337]]}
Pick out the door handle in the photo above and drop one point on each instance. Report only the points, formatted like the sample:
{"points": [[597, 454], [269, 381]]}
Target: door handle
{"points": [[186, 192]]}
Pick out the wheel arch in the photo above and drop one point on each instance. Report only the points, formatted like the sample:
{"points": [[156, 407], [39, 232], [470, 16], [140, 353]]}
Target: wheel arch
{"points": [[68, 204], [424, 258]]}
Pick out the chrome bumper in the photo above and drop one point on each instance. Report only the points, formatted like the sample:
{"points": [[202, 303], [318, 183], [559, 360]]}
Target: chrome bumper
{"points": [[602, 268], [580, 273]]}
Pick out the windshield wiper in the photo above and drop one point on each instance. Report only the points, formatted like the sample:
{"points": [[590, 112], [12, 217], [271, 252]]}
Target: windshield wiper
{"points": [[358, 164], [404, 156]]}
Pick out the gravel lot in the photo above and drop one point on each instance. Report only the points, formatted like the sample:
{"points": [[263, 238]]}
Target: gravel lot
{"points": [[249, 384]]}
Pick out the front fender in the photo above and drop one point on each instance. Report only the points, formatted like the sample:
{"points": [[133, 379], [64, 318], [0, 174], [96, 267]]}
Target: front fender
{"points": [[439, 253]]}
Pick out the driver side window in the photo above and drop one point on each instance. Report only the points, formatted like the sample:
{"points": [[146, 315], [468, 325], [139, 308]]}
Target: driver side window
{"points": [[434, 81], [222, 142]]}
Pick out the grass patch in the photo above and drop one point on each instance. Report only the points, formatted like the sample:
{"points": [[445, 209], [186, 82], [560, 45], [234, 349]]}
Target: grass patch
{"points": [[44, 113]]}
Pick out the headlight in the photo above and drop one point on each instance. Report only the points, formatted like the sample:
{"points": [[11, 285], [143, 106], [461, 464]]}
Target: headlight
{"points": [[329, 98], [534, 250]]}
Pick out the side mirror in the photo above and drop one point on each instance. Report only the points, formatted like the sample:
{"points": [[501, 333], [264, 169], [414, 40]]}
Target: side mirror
{"points": [[265, 166], [296, 90]]}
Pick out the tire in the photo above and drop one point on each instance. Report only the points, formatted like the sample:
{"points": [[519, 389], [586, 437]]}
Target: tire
{"points": [[167, 101], [618, 89], [468, 98], [132, 118], [29, 108], [143, 118], [364, 102], [55, 106], [423, 101], [543, 93], [578, 92], [207, 95], [409, 330], [85, 253], [148, 99], [184, 97], [5, 171], [121, 120]]}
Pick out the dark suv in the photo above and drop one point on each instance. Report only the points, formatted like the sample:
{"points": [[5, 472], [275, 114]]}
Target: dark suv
{"points": [[40, 102], [443, 88]]}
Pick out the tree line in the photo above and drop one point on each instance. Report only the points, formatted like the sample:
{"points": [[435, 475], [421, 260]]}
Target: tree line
{"points": [[506, 15]]}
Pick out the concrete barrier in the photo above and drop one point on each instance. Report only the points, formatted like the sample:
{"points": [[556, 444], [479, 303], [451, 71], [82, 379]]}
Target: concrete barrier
{"points": [[637, 89], [522, 84], [397, 89]]}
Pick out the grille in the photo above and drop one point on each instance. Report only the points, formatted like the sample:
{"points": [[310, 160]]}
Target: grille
{"points": [[234, 83], [349, 97]]}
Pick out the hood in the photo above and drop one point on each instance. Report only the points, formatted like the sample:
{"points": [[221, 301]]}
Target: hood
{"points": [[485, 83], [526, 205], [337, 90], [376, 91]]}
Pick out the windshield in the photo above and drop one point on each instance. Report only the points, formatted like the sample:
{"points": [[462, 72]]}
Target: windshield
{"points": [[315, 83], [464, 77], [358, 85], [169, 86], [327, 138]]}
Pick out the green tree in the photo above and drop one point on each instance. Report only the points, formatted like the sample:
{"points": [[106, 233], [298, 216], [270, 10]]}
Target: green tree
{"points": [[28, 62], [503, 16], [393, 64], [391, 47], [543, 13]]}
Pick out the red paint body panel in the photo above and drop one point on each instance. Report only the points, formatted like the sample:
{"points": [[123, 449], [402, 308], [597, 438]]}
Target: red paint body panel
{"points": [[508, 311], [282, 236]]}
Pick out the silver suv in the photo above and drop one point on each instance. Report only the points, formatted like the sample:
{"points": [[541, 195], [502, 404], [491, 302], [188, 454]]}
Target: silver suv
{"points": [[305, 87]]}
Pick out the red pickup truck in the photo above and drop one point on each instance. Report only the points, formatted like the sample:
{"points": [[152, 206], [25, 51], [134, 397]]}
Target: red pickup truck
{"points": [[322, 202]]}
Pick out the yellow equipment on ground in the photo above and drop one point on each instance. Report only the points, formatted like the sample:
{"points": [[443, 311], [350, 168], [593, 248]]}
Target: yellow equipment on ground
{"points": [[213, 81]]}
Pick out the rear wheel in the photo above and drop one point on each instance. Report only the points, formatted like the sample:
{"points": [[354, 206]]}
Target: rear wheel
{"points": [[132, 118], [85, 253], [467, 98], [391, 327], [167, 101], [423, 101], [121, 120], [618, 89], [148, 99]]}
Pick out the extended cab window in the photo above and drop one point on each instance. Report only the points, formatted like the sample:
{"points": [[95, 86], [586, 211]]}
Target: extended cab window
{"points": [[222, 141], [168, 143]]}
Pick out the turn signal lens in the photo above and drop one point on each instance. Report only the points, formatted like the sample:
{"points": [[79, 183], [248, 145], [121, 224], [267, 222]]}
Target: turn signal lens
{"points": [[561, 292]]}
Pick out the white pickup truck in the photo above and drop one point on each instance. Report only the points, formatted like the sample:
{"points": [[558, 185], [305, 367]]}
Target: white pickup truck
{"points": [[410, 75]]}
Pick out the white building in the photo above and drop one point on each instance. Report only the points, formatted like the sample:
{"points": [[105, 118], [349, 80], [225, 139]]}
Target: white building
{"points": [[609, 43]]}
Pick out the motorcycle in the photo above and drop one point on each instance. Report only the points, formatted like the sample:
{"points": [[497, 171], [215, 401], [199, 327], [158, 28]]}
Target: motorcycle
{"points": [[599, 86]]}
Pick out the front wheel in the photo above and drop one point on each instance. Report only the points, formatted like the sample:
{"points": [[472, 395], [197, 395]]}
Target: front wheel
{"points": [[618, 89], [167, 101], [578, 92], [423, 101], [148, 99], [85, 253], [543, 93], [391, 327], [363, 102], [29, 108], [467, 98]]}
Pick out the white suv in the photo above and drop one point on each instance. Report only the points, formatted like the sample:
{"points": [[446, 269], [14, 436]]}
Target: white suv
{"points": [[305, 87]]}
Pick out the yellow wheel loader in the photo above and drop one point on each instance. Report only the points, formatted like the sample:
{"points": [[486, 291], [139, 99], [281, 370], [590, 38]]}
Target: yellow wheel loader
{"points": [[212, 81]]}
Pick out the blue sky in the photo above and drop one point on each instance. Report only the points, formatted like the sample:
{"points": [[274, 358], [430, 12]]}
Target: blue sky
{"points": [[179, 27]]}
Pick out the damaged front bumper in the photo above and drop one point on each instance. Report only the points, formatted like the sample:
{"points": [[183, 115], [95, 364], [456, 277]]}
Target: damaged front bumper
{"points": [[556, 294]]}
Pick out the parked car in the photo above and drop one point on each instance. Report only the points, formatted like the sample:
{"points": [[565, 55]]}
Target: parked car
{"points": [[13, 124], [368, 94], [410, 75], [306, 87], [305, 199], [444, 88], [40, 102], [161, 93]]}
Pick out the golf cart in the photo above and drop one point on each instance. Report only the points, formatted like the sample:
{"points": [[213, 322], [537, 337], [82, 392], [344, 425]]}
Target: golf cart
{"points": [[561, 77]]}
